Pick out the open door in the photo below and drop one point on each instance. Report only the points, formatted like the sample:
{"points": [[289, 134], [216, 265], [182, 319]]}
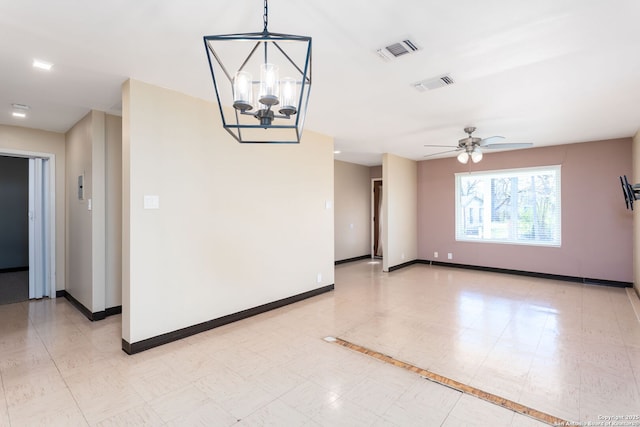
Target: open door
{"points": [[39, 229], [41, 221], [376, 207]]}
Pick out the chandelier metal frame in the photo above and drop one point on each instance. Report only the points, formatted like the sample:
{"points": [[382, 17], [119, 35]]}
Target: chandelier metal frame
{"points": [[241, 117]]}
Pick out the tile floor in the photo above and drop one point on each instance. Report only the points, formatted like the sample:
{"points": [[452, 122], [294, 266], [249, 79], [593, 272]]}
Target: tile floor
{"points": [[14, 287], [566, 349]]}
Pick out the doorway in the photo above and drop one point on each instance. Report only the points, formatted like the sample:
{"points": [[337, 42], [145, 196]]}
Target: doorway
{"points": [[36, 213], [377, 220], [14, 229]]}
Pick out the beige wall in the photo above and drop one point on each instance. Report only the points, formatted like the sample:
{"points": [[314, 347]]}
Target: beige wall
{"points": [[596, 227], [113, 226], [98, 210], [79, 229], [29, 142], [94, 235], [399, 207], [239, 225], [352, 192]]}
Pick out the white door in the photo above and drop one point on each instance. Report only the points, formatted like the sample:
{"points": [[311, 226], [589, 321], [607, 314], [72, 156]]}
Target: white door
{"points": [[39, 229]]}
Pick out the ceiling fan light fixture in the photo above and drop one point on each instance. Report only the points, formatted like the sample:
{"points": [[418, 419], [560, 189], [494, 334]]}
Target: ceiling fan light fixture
{"points": [[476, 155], [463, 157], [471, 147]]}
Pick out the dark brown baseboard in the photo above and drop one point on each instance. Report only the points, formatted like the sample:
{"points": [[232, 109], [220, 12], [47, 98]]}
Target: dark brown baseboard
{"points": [[574, 279], [358, 258], [112, 311], [13, 269], [403, 265], [584, 280], [137, 347], [93, 316]]}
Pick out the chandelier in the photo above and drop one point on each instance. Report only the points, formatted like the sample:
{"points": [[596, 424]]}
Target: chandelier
{"points": [[262, 83]]}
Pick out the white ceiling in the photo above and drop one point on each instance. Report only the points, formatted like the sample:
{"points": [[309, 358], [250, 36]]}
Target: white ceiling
{"points": [[544, 71]]}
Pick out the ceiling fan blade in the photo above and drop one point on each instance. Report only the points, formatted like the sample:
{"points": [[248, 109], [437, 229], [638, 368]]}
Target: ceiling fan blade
{"points": [[442, 152], [487, 141], [508, 145]]}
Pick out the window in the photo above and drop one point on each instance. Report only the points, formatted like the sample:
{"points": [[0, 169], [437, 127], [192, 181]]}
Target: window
{"points": [[509, 206]]}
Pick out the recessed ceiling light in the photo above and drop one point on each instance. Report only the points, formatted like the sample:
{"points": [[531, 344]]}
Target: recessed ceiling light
{"points": [[42, 64], [20, 110], [337, 152]]}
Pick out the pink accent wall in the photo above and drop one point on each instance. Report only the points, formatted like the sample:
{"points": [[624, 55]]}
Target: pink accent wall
{"points": [[597, 230]]}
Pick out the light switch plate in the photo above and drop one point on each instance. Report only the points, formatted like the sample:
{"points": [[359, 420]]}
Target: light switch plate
{"points": [[151, 202]]}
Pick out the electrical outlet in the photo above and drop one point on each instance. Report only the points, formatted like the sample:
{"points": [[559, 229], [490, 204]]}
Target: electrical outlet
{"points": [[449, 255], [319, 278], [435, 254]]}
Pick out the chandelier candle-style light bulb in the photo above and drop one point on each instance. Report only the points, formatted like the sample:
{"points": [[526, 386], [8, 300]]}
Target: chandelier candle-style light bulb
{"points": [[288, 91], [269, 84], [242, 91]]}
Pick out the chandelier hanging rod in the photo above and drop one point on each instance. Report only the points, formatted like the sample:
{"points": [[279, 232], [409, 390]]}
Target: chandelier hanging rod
{"points": [[265, 17]]}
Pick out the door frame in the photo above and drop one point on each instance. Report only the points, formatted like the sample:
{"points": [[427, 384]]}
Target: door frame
{"points": [[50, 249]]}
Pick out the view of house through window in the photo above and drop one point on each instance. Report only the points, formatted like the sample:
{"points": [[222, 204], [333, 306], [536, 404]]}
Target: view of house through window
{"points": [[509, 206]]}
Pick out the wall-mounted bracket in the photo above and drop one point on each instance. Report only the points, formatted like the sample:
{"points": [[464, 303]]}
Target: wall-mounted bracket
{"points": [[630, 192]]}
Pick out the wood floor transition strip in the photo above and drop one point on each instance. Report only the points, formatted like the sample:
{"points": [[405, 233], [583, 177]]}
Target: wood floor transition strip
{"points": [[456, 385]]}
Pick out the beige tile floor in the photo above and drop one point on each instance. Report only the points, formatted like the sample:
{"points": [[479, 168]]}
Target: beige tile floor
{"points": [[567, 349]]}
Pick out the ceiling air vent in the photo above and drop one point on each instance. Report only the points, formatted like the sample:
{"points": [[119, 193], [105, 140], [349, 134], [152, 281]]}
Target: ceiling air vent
{"points": [[397, 49], [434, 83], [21, 107]]}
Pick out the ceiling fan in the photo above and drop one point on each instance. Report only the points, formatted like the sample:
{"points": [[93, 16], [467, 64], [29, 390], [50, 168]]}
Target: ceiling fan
{"points": [[471, 147]]}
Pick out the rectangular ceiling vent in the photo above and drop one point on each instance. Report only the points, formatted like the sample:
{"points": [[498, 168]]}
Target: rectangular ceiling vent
{"points": [[397, 49], [21, 107], [434, 83]]}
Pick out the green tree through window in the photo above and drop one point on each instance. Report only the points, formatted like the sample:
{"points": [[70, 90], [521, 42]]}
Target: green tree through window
{"points": [[509, 206]]}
